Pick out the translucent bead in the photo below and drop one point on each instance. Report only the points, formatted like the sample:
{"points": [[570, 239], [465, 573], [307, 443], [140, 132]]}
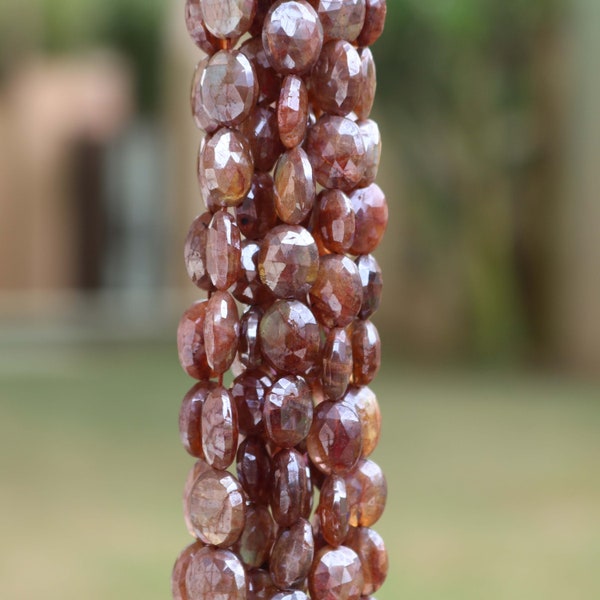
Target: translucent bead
{"points": [[262, 132], [336, 573], [367, 493], [190, 418], [221, 331], [290, 595], [195, 26], [292, 111], [366, 95], [249, 390], [341, 20], [223, 250], [200, 467], [249, 288], [260, 585], [178, 586], [372, 284], [334, 510], [269, 81], [249, 348], [364, 402], [337, 363], [256, 214], [366, 352], [254, 469], [195, 252], [201, 117], [256, 541], [191, 342], [219, 429], [228, 19], [295, 190], [292, 555], [374, 22], [371, 215], [369, 546], [372, 140], [335, 221], [216, 573], [289, 487]]}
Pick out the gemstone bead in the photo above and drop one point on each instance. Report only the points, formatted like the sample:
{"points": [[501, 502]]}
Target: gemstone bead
{"points": [[289, 487], [219, 428], [228, 19], [178, 586], [216, 573], [367, 493], [336, 575], [337, 364], [374, 22], [256, 214], [369, 546], [223, 250], [366, 95], [225, 168], [334, 510], [190, 418], [335, 442], [262, 132], [200, 467], [201, 117], [341, 20], [335, 220], [288, 261], [372, 284], [336, 80], [256, 541], [364, 402], [372, 140], [249, 348], [249, 288], [371, 214], [292, 37], [221, 331], [295, 189], [336, 295], [336, 151], [195, 252], [254, 469], [195, 26], [366, 352], [249, 391], [191, 342], [292, 111], [260, 585], [290, 595], [292, 555], [269, 81], [217, 508], [288, 411], [289, 337]]}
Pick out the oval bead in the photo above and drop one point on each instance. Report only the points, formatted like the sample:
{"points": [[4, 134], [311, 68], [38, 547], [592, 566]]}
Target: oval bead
{"points": [[372, 284], [295, 190], [249, 288], [200, 467], [334, 510], [216, 573], [370, 548], [221, 331], [228, 19], [371, 215], [335, 221], [195, 252], [269, 81], [178, 575], [336, 573], [372, 140], [341, 20], [292, 111], [256, 541], [364, 402], [219, 429], [194, 21], [337, 364], [254, 469], [256, 214], [249, 347], [249, 390], [202, 119], [367, 493], [262, 132], [190, 418], [366, 95], [292, 555], [289, 488], [374, 22], [223, 250], [191, 342], [366, 352]]}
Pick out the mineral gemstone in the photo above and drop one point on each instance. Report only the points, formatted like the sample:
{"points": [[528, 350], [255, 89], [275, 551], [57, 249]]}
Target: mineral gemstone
{"points": [[202, 119], [369, 546], [195, 252], [366, 94], [335, 220], [200, 467], [256, 214], [248, 391], [219, 428], [336, 574], [254, 469], [217, 574], [223, 250], [372, 140], [341, 19], [289, 487], [295, 189], [371, 214], [290, 595], [367, 493], [254, 545], [228, 19], [196, 28], [366, 352], [337, 363], [221, 331], [249, 288], [292, 555], [292, 111], [191, 342], [262, 131], [249, 348], [260, 585], [364, 401], [374, 22], [372, 284], [334, 510], [190, 418], [269, 81], [178, 586]]}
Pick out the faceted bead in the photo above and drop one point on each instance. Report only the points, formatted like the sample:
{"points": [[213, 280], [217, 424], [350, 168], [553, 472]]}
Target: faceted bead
{"points": [[288, 261], [288, 411], [228, 19], [366, 352], [201, 117], [249, 288], [200, 467], [295, 189], [335, 220], [249, 348], [217, 508], [260, 585], [374, 22], [371, 214], [292, 111], [178, 587], [217, 574], [334, 511], [289, 337], [289, 487], [221, 331], [366, 96], [341, 20], [292, 37], [256, 214], [337, 363], [308, 498], [254, 546], [336, 295], [335, 441], [254, 469], [292, 555], [219, 429], [249, 390], [225, 168], [372, 140], [269, 82], [223, 250], [336, 151], [369, 546], [262, 132], [364, 401], [372, 284], [195, 26], [290, 595], [190, 418], [336, 80], [191, 342], [195, 252], [336, 575], [320, 541], [367, 493]]}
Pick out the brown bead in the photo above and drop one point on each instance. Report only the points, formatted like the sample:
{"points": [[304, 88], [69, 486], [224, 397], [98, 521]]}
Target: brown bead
{"points": [[292, 37], [195, 252], [216, 573], [221, 331], [336, 295], [336, 151], [372, 140], [341, 20], [201, 117], [225, 168], [289, 487], [289, 337], [337, 364], [262, 8], [178, 587], [219, 429], [228, 19], [256, 215], [249, 391], [254, 469], [364, 401], [336, 575], [288, 261], [217, 508], [372, 284], [334, 510], [320, 541], [369, 546], [191, 342], [292, 111], [335, 220], [374, 22], [200, 467], [367, 493], [336, 80], [288, 411], [223, 250], [254, 545], [295, 189], [195, 25], [249, 288], [366, 352], [190, 418], [262, 132], [334, 442], [269, 82], [292, 555], [366, 96], [249, 348], [260, 585], [290, 595], [371, 214]]}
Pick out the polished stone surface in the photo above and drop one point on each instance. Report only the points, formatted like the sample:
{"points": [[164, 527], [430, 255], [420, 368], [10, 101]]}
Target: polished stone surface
{"points": [[292, 555], [372, 140], [191, 342], [374, 22], [295, 190], [216, 574], [370, 547], [221, 331], [364, 401], [366, 352], [334, 510], [223, 250], [228, 19], [219, 428], [371, 278], [195, 252], [335, 221], [371, 215], [367, 493], [341, 19], [292, 111], [262, 131], [337, 363], [256, 541], [256, 215], [336, 574], [254, 469]]}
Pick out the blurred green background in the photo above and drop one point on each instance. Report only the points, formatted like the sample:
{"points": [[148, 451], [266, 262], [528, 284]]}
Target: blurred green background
{"points": [[490, 320]]}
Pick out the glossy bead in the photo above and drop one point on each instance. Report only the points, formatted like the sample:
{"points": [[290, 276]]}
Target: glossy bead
{"points": [[190, 418], [336, 295], [341, 20], [228, 19], [195, 252], [217, 508], [196, 28], [374, 22], [269, 81], [336, 151], [371, 215], [249, 348], [289, 337], [335, 220], [223, 250], [367, 493], [288, 411], [256, 214], [372, 140], [178, 575], [366, 95], [366, 352], [221, 331], [200, 467], [336, 80], [292, 111], [249, 288], [254, 545], [364, 402], [288, 261], [334, 442], [219, 429], [260, 585], [290, 595], [292, 37], [191, 342], [336, 575], [262, 132], [216, 573], [249, 391], [337, 364], [225, 168], [295, 189], [292, 555], [254, 469], [372, 284], [369, 546], [202, 119], [334, 510], [289, 487]]}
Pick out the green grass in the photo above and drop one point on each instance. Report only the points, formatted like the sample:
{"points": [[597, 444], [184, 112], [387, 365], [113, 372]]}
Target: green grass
{"points": [[494, 479]]}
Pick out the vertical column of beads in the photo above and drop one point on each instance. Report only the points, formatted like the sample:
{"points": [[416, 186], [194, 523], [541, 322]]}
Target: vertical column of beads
{"points": [[286, 173]]}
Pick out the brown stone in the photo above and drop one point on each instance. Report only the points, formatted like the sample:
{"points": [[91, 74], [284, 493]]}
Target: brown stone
{"points": [[195, 252], [367, 493], [335, 221], [249, 390], [364, 401], [337, 363], [341, 20], [200, 467], [178, 586], [371, 215], [190, 418], [260, 585], [289, 487], [249, 288], [223, 250], [292, 555], [372, 139], [219, 428], [366, 352], [191, 342], [374, 22], [262, 132], [256, 541], [372, 284], [254, 469], [292, 111], [249, 348], [201, 117], [216, 574], [256, 214], [334, 511], [295, 190], [228, 19], [269, 81], [221, 331], [290, 595], [336, 575], [369, 546], [195, 26], [366, 95]]}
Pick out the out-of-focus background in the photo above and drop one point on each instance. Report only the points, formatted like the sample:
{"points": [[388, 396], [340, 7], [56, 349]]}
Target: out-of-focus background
{"points": [[490, 321]]}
